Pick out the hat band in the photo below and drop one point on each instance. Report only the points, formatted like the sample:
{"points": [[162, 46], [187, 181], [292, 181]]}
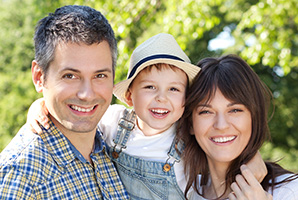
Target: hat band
{"points": [[152, 58]]}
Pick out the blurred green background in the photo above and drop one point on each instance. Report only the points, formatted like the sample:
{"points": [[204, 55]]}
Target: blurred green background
{"points": [[264, 33]]}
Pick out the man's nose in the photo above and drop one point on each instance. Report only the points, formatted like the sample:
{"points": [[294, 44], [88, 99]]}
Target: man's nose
{"points": [[86, 91]]}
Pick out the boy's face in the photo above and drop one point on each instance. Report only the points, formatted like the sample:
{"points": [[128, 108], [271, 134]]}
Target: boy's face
{"points": [[158, 98]]}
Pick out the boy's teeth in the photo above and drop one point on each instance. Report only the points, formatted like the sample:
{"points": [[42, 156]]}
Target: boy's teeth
{"points": [[223, 139], [159, 111], [81, 109]]}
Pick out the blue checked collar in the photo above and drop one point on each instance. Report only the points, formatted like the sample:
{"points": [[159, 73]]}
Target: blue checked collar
{"points": [[62, 150]]}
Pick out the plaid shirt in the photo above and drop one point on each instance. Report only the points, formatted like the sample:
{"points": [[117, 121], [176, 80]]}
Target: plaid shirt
{"points": [[49, 167]]}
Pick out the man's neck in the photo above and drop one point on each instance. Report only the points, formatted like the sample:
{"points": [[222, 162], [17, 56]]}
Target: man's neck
{"points": [[83, 142]]}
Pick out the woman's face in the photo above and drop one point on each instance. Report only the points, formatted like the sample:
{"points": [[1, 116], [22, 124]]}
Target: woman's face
{"points": [[222, 128]]}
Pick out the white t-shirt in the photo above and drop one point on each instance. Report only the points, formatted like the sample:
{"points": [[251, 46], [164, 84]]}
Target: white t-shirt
{"points": [[285, 191], [154, 148]]}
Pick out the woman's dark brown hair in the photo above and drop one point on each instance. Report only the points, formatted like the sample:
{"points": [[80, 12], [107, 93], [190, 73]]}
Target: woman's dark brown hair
{"points": [[239, 83]]}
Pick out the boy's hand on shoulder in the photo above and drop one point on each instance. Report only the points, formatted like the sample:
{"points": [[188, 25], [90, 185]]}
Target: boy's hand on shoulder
{"points": [[37, 114]]}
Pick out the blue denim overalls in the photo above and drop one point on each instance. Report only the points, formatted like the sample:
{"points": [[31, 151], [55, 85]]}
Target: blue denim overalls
{"points": [[144, 179]]}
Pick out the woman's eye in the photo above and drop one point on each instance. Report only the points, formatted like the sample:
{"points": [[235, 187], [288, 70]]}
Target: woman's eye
{"points": [[236, 110], [204, 112]]}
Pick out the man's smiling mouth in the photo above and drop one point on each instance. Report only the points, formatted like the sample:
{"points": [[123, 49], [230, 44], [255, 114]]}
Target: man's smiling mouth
{"points": [[81, 109]]}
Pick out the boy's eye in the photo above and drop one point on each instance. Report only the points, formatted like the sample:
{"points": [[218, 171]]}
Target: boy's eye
{"points": [[149, 87], [68, 76], [174, 89]]}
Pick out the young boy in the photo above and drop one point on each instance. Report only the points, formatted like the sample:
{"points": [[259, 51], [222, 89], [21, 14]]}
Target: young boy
{"points": [[141, 141]]}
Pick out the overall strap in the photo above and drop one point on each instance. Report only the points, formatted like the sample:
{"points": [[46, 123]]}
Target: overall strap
{"points": [[125, 125], [177, 148], [173, 154]]}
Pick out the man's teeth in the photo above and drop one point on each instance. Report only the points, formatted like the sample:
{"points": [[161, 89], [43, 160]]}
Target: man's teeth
{"points": [[82, 109], [223, 139], [159, 111]]}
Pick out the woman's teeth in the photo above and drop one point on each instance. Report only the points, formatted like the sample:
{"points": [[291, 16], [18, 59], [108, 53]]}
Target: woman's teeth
{"points": [[223, 139]]}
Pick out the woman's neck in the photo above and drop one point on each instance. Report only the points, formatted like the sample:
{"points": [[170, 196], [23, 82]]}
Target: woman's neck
{"points": [[217, 184]]}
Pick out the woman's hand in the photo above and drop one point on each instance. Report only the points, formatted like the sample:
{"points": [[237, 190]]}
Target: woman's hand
{"points": [[247, 187], [37, 114]]}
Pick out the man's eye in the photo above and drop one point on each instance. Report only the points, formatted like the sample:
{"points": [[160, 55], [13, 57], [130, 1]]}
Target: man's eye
{"points": [[68, 76], [100, 76]]}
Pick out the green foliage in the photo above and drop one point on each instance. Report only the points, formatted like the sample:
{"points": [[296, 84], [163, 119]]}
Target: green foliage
{"points": [[273, 27], [285, 157], [265, 34]]}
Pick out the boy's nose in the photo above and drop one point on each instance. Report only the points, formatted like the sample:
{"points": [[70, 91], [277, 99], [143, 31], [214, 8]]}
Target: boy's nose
{"points": [[161, 96]]}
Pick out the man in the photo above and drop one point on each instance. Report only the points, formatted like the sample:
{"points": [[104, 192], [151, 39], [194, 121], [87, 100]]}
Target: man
{"points": [[75, 56]]}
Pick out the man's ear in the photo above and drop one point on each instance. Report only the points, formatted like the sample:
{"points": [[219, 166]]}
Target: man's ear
{"points": [[128, 99], [37, 76]]}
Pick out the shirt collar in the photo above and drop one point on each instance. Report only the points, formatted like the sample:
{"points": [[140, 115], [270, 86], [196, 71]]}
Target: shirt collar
{"points": [[62, 150], [97, 147]]}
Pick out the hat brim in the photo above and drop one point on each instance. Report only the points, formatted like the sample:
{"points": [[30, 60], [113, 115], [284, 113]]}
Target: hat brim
{"points": [[190, 69]]}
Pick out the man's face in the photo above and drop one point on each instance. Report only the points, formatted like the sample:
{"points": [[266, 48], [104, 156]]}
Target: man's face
{"points": [[78, 86]]}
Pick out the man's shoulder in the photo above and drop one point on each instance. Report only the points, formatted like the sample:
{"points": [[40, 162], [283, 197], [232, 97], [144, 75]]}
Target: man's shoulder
{"points": [[26, 155], [23, 140]]}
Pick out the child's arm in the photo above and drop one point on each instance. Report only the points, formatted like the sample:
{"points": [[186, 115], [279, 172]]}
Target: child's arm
{"points": [[37, 114], [248, 187], [257, 167]]}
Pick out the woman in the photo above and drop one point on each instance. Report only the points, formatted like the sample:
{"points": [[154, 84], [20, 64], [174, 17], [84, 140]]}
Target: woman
{"points": [[226, 109]]}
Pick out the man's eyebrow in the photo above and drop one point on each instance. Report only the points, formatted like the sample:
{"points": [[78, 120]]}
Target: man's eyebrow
{"points": [[104, 70], [98, 71], [70, 69]]}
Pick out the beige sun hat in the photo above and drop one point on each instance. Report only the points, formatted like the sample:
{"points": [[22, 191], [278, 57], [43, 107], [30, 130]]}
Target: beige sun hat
{"points": [[161, 48]]}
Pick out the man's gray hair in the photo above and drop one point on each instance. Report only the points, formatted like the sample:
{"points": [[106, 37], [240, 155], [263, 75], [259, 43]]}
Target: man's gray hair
{"points": [[75, 24]]}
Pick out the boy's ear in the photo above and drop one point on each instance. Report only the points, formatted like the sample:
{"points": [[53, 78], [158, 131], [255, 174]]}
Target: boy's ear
{"points": [[37, 76], [128, 99]]}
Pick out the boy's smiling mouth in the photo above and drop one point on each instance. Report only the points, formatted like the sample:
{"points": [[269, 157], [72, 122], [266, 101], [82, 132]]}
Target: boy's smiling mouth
{"points": [[159, 112]]}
